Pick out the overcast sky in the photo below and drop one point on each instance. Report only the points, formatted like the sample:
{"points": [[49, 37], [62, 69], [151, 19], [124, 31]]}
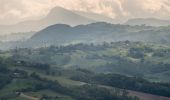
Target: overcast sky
{"points": [[13, 11]]}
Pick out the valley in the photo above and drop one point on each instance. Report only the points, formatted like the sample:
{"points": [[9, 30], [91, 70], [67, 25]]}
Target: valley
{"points": [[84, 49], [78, 66]]}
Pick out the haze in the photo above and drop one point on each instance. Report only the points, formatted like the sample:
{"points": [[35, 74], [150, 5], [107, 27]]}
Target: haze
{"points": [[14, 11], [84, 49]]}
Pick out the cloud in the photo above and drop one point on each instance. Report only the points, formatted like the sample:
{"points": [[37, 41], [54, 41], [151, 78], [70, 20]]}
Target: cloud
{"points": [[12, 11], [147, 8]]}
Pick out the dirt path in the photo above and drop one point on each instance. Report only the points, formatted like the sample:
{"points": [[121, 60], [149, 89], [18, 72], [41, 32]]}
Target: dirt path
{"points": [[65, 82], [28, 97], [145, 96], [140, 95]]}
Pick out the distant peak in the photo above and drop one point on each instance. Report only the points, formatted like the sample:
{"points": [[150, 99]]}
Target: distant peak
{"points": [[57, 9]]}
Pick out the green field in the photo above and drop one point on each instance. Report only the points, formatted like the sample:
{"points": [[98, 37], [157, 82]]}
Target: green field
{"points": [[76, 68]]}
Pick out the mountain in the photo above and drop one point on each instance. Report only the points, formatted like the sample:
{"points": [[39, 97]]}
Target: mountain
{"points": [[56, 16], [62, 34], [63, 16], [148, 22]]}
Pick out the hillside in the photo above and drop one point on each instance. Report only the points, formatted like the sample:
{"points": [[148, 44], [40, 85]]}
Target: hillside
{"points": [[84, 49], [97, 33], [76, 72], [61, 34], [148, 60]]}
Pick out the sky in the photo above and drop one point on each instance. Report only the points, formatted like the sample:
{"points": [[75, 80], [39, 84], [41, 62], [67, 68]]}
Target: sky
{"points": [[14, 11]]}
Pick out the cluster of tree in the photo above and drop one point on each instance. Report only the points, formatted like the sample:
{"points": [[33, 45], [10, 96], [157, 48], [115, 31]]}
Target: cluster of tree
{"points": [[93, 92], [35, 65], [5, 78], [84, 47], [139, 52], [136, 53], [138, 69], [124, 82], [160, 67], [125, 66], [85, 92], [9, 96], [46, 97], [19, 74], [162, 53], [41, 84]]}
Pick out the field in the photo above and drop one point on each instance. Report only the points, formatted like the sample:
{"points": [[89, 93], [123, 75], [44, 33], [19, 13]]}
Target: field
{"points": [[76, 68]]}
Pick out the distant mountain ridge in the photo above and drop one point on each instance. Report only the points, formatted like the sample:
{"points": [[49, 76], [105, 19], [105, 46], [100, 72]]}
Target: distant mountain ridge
{"points": [[148, 22], [57, 15], [61, 34]]}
